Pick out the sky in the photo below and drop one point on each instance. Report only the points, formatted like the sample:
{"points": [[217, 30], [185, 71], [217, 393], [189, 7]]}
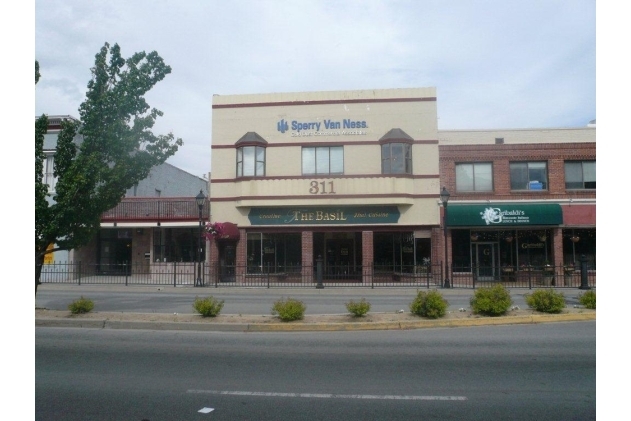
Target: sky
{"points": [[494, 63]]}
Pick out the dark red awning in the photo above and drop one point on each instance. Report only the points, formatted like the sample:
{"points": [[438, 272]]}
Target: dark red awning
{"points": [[229, 231]]}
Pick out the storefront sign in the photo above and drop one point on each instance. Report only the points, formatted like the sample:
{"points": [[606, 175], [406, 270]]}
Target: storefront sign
{"points": [[324, 216], [504, 215], [325, 127]]}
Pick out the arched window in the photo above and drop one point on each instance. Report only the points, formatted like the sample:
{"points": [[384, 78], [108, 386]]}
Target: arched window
{"points": [[251, 155]]}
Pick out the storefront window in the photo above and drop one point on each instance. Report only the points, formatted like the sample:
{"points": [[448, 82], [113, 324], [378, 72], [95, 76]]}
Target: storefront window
{"points": [[273, 253], [394, 252], [177, 245], [579, 242]]}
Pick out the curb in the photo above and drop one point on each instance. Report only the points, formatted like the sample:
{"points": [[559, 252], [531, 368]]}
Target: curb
{"points": [[313, 327]]}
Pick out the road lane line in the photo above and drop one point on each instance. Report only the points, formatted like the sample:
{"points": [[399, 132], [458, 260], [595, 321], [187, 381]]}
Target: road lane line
{"points": [[328, 395]]}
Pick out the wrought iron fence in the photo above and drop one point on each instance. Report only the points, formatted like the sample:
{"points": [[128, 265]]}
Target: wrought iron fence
{"points": [[186, 274]]}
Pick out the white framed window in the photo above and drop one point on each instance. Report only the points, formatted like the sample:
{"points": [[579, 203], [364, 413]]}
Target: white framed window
{"points": [[251, 161], [474, 177], [580, 175], [529, 175], [49, 173], [323, 160]]}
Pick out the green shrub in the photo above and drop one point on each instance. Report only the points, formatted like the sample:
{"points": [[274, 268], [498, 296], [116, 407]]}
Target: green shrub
{"points": [[588, 299], [208, 307], [546, 300], [82, 305], [491, 301], [289, 309], [358, 308], [429, 304]]}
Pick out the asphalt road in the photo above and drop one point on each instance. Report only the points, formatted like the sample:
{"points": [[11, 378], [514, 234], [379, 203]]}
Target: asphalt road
{"points": [[525, 372], [152, 299]]}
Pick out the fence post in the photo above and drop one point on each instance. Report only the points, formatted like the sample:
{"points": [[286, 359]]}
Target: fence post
{"points": [[175, 274], [372, 276], [79, 278], [126, 274], [319, 272], [584, 280]]}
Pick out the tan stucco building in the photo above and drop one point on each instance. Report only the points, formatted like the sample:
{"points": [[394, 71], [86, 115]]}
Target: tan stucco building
{"points": [[350, 176]]}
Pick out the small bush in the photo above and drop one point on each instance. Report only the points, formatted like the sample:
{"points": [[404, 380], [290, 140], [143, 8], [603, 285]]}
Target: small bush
{"points": [[82, 305], [491, 301], [208, 307], [546, 301], [289, 309], [588, 299], [429, 304], [358, 308]]}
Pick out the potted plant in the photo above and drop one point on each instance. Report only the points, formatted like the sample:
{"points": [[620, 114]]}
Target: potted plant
{"points": [[568, 271]]}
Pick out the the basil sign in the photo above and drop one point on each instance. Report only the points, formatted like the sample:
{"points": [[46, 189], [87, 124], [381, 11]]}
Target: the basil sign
{"points": [[504, 215], [324, 215]]}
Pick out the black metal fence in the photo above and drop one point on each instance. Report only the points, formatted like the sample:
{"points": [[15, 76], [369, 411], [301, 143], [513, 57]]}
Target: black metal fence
{"points": [[317, 276]]}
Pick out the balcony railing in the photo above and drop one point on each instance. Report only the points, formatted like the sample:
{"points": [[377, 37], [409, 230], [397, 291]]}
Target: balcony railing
{"points": [[158, 209]]}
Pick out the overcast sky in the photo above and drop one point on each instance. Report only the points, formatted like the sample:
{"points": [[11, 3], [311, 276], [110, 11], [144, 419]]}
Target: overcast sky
{"points": [[494, 63]]}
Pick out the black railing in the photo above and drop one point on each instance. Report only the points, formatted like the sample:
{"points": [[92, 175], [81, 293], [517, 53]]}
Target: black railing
{"points": [[295, 276]]}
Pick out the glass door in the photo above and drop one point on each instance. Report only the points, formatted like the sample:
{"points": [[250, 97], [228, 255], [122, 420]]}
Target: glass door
{"points": [[485, 261]]}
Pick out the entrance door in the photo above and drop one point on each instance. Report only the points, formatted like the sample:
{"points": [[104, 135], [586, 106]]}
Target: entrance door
{"points": [[340, 259], [227, 261], [485, 261]]}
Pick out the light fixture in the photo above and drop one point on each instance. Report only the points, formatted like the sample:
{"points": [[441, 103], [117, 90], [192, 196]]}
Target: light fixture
{"points": [[200, 199], [444, 198]]}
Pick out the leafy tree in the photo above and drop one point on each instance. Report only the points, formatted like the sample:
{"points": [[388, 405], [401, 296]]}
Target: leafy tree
{"points": [[97, 160]]}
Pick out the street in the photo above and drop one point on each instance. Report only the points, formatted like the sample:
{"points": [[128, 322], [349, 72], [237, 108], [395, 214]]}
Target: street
{"points": [[523, 372]]}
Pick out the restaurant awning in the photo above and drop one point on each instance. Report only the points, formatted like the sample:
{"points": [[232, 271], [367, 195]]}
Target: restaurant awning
{"points": [[496, 215]]}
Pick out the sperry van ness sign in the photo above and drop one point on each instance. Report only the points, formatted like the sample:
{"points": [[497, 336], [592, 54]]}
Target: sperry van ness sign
{"points": [[326, 127]]}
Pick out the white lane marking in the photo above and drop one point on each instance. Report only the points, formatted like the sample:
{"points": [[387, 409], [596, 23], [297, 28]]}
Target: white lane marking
{"points": [[328, 395], [206, 410]]}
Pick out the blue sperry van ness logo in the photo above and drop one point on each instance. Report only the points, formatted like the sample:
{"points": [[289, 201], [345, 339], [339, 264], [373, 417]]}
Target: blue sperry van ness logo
{"points": [[282, 126]]}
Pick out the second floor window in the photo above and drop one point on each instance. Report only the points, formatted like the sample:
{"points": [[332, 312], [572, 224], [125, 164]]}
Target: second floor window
{"points": [[49, 173], [529, 176], [323, 160], [251, 161], [580, 175], [396, 158], [476, 176]]}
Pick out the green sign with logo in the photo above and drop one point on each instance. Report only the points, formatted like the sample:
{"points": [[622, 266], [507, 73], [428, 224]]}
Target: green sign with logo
{"points": [[504, 215], [324, 215]]}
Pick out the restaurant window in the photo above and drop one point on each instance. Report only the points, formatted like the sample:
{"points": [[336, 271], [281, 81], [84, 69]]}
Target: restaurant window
{"points": [[580, 175], [323, 160], [396, 158], [528, 176], [273, 253], [477, 176], [251, 161]]}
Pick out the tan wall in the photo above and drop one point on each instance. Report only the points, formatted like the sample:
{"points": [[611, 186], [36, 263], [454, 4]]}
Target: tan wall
{"points": [[515, 136], [362, 182]]}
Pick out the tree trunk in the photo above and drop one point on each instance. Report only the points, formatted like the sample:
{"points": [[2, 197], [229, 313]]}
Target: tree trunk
{"points": [[39, 261]]}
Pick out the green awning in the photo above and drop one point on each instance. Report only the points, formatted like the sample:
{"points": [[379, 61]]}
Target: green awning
{"points": [[504, 215]]}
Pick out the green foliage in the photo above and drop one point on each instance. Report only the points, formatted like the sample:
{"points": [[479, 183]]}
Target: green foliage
{"points": [[430, 304], [82, 305], [98, 159], [208, 307], [491, 301], [546, 301], [358, 308], [588, 299], [289, 309]]}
